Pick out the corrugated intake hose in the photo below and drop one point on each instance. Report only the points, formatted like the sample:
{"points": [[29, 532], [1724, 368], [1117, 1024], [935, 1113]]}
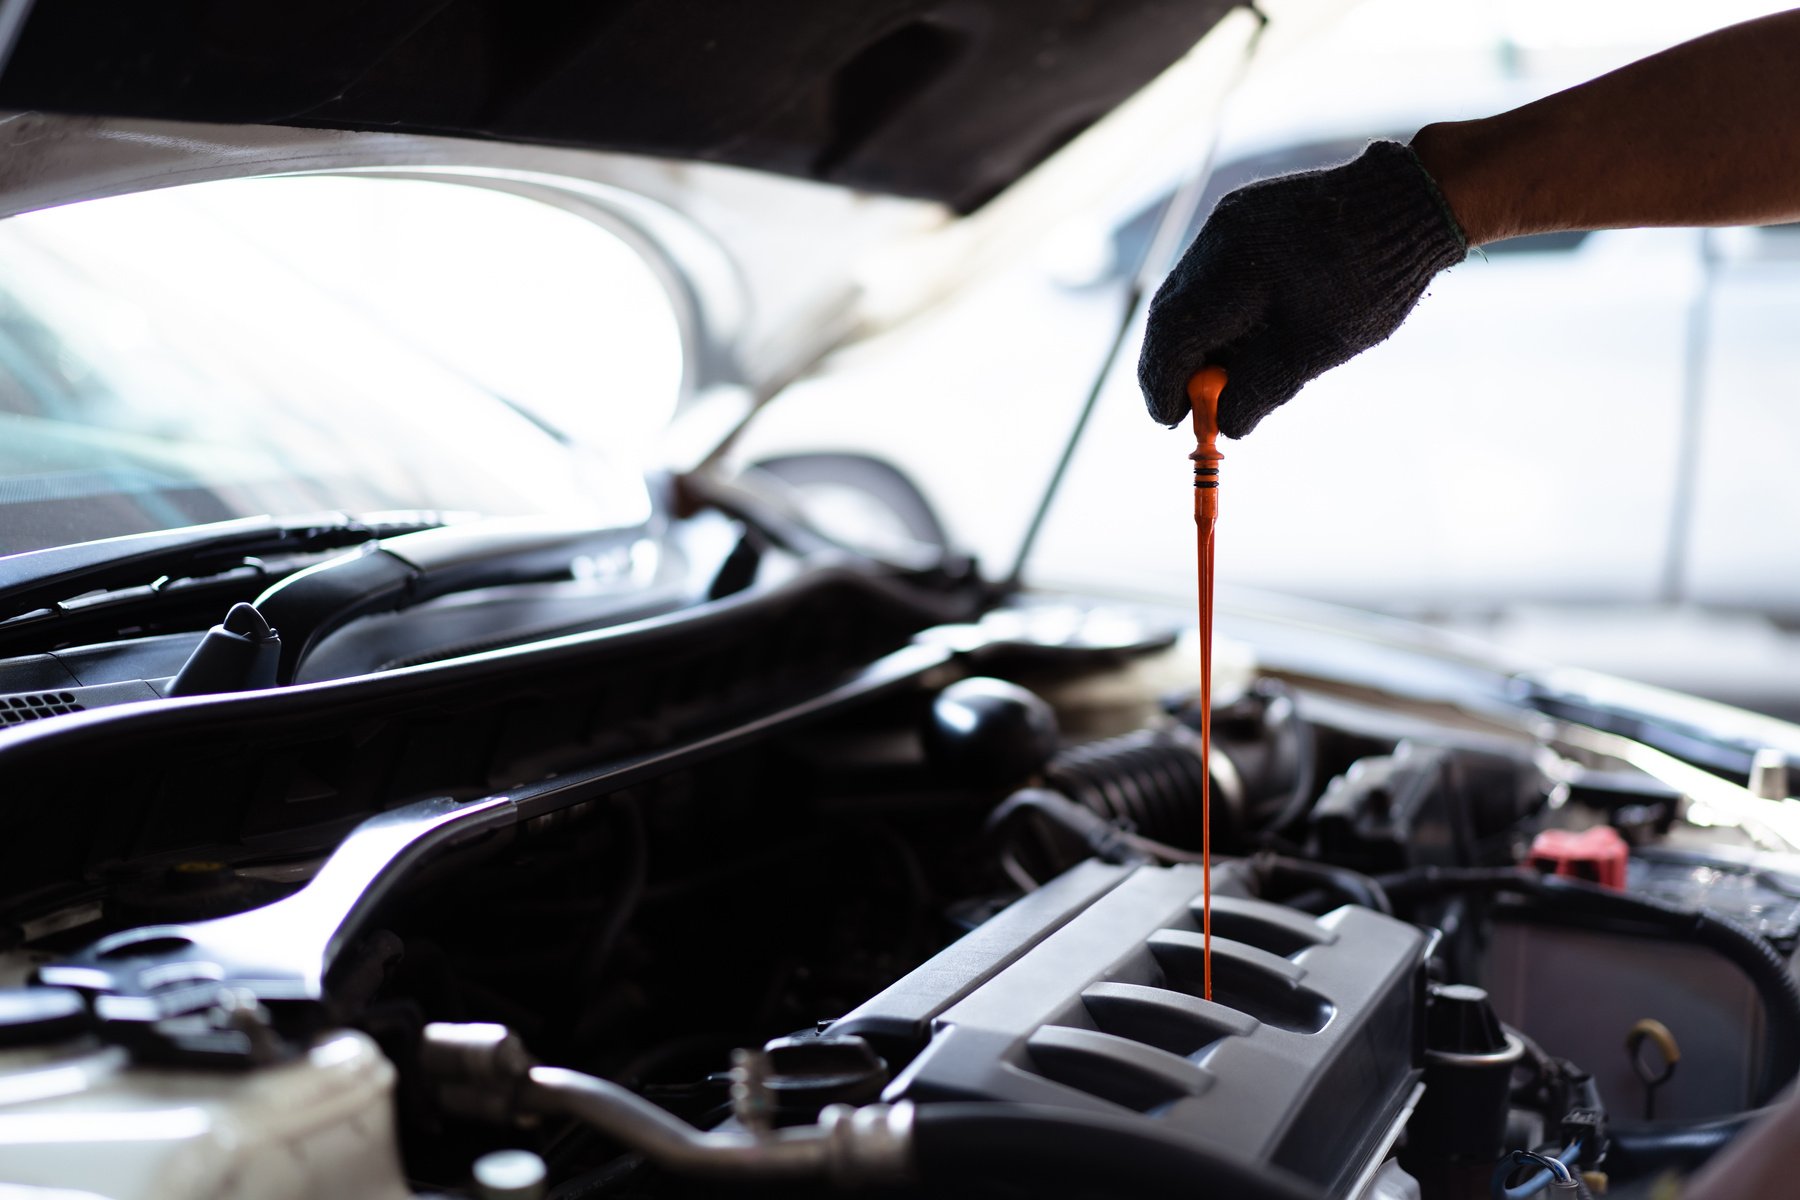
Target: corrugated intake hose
{"points": [[1149, 777], [1055, 1152], [1752, 955]]}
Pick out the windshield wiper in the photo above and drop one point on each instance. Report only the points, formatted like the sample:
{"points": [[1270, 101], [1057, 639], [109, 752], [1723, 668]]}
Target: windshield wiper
{"points": [[309, 605], [41, 579]]}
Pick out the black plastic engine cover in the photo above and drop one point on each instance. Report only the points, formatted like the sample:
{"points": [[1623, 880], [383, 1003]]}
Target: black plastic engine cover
{"points": [[1087, 995]]}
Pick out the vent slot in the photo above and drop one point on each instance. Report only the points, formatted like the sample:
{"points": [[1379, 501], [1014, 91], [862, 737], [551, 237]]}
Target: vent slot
{"points": [[1172, 1021], [1254, 982], [35, 706], [1125, 1072], [1280, 933]]}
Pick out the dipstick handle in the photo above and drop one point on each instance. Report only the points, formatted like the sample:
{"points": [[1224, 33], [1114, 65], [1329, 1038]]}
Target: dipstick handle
{"points": [[1203, 392]]}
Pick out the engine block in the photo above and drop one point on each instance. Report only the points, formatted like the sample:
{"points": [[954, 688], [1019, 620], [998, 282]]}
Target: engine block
{"points": [[1087, 994]]}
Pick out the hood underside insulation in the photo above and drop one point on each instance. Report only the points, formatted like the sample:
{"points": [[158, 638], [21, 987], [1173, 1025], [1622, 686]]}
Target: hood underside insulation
{"points": [[949, 100]]}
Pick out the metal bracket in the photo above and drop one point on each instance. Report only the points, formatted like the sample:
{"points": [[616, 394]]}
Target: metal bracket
{"points": [[237, 990], [250, 988]]}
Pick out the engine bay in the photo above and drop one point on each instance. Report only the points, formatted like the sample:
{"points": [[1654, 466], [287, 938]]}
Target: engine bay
{"points": [[804, 872]]}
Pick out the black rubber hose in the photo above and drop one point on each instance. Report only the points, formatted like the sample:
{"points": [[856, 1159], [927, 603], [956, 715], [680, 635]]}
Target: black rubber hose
{"points": [[1643, 1148], [1352, 885], [1056, 1152], [1105, 840], [1752, 955]]}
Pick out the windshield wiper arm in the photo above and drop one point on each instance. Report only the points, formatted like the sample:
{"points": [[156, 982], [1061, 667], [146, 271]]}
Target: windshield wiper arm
{"points": [[41, 578], [310, 604]]}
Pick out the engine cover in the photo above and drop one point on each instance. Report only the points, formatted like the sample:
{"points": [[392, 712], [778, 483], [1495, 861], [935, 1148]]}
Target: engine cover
{"points": [[1087, 994]]}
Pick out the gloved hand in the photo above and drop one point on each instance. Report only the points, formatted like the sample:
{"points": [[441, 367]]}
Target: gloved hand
{"points": [[1292, 276]]}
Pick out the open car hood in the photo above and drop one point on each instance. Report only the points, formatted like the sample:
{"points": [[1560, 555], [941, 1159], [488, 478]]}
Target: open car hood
{"points": [[940, 104], [949, 100]]}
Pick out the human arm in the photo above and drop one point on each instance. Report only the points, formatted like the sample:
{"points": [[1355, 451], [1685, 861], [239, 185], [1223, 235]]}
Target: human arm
{"points": [[1292, 276], [1704, 133]]}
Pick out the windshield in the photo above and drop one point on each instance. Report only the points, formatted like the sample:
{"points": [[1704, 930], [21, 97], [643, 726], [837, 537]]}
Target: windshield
{"points": [[259, 347]]}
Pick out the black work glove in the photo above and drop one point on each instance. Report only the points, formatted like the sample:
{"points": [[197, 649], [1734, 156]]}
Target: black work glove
{"points": [[1292, 276]]}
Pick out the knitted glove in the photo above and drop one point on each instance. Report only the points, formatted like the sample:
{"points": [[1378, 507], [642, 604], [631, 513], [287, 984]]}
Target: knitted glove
{"points": [[1292, 276]]}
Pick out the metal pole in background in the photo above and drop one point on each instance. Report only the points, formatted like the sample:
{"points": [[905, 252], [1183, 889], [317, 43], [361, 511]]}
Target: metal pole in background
{"points": [[12, 22], [1158, 254], [1689, 432]]}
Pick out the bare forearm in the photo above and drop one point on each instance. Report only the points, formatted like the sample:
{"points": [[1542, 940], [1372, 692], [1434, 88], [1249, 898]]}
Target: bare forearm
{"points": [[1706, 133]]}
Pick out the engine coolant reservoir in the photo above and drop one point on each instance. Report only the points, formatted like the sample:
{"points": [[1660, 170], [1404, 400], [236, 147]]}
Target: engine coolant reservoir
{"points": [[77, 1117]]}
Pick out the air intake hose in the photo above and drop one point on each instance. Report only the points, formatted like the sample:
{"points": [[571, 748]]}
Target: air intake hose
{"points": [[1640, 1148]]}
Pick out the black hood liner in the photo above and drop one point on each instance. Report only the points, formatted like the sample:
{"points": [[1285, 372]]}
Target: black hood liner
{"points": [[949, 100]]}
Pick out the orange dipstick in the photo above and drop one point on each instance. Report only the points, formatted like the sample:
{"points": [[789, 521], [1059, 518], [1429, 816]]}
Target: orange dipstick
{"points": [[1203, 391]]}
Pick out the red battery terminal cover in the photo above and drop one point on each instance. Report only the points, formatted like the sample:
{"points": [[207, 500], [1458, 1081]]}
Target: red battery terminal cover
{"points": [[1598, 855]]}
